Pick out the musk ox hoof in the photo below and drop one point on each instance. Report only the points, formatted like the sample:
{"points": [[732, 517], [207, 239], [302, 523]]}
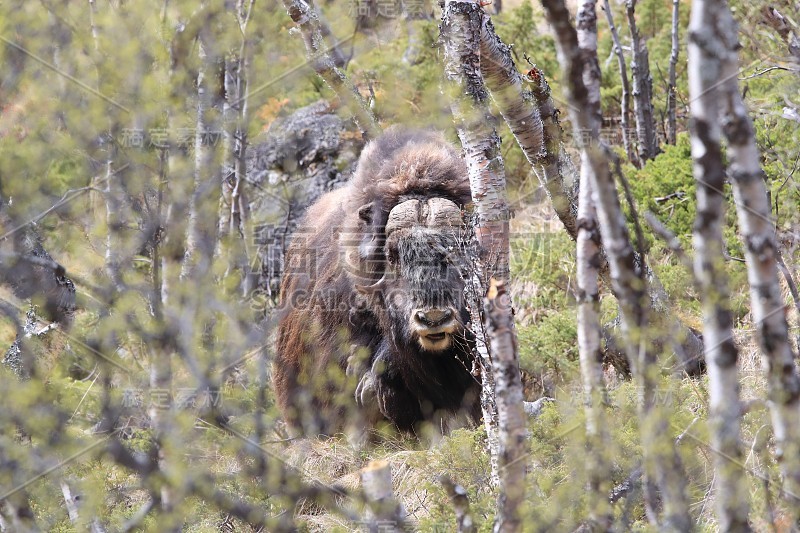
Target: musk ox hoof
{"points": [[366, 391]]}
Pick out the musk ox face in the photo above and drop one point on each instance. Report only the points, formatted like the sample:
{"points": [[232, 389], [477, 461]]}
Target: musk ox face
{"points": [[422, 287]]}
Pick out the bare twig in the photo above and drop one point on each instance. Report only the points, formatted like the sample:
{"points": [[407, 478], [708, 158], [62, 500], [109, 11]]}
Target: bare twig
{"points": [[625, 112]]}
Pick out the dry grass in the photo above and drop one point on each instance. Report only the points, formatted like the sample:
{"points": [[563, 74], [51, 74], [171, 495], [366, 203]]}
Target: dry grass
{"points": [[334, 462]]}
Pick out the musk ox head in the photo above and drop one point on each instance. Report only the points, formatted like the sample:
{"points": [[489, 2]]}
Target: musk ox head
{"points": [[422, 284], [408, 251]]}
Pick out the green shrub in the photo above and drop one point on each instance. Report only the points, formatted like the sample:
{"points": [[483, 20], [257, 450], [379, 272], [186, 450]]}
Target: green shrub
{"points": [[550, 347], [543, 263]]}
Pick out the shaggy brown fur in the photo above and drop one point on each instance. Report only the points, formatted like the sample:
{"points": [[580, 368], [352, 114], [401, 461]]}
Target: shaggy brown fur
{"points": [[326, 321]]}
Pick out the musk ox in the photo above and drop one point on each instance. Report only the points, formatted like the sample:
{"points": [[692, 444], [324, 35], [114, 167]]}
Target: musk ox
{"points": [[373, 307]]}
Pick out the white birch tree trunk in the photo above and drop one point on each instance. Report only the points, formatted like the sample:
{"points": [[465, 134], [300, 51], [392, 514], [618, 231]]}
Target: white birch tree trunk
{"points": [[588, 259], [625, 99], [532, 117], [552, 164], [502, 392], [730, 497], [787, 29], [113, 194], [642, 90], [715, 65], [481, 145], [672, 83], [458, 498], [629, 283], [512, 421]]}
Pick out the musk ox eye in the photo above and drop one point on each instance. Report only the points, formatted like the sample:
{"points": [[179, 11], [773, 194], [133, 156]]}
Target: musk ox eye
{"points": [[365, 213]]}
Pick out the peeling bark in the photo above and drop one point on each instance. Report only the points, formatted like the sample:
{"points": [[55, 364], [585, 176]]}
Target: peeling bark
{"points": [[561, 179]]}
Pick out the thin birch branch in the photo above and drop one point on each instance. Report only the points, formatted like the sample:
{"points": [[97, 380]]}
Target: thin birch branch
{"points": [[787, 275], [202, 230], [307, 20], [672, 83]]}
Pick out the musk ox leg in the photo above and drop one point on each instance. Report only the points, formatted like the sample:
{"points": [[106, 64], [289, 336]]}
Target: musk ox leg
{"points": [[382, 395], [383, 386], [396, 402]]}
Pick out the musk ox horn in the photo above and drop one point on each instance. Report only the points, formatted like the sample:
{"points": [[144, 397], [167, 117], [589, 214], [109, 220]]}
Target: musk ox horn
{"points": [[436, 213], [403, 215], [443, 213], [367, 289]]}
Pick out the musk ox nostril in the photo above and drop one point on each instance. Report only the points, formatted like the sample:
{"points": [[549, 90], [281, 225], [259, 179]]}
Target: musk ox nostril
{"points": [[434, 317]]}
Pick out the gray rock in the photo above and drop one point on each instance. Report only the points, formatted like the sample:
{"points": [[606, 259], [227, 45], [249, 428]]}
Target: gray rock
{"points": [[301, 157]]}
